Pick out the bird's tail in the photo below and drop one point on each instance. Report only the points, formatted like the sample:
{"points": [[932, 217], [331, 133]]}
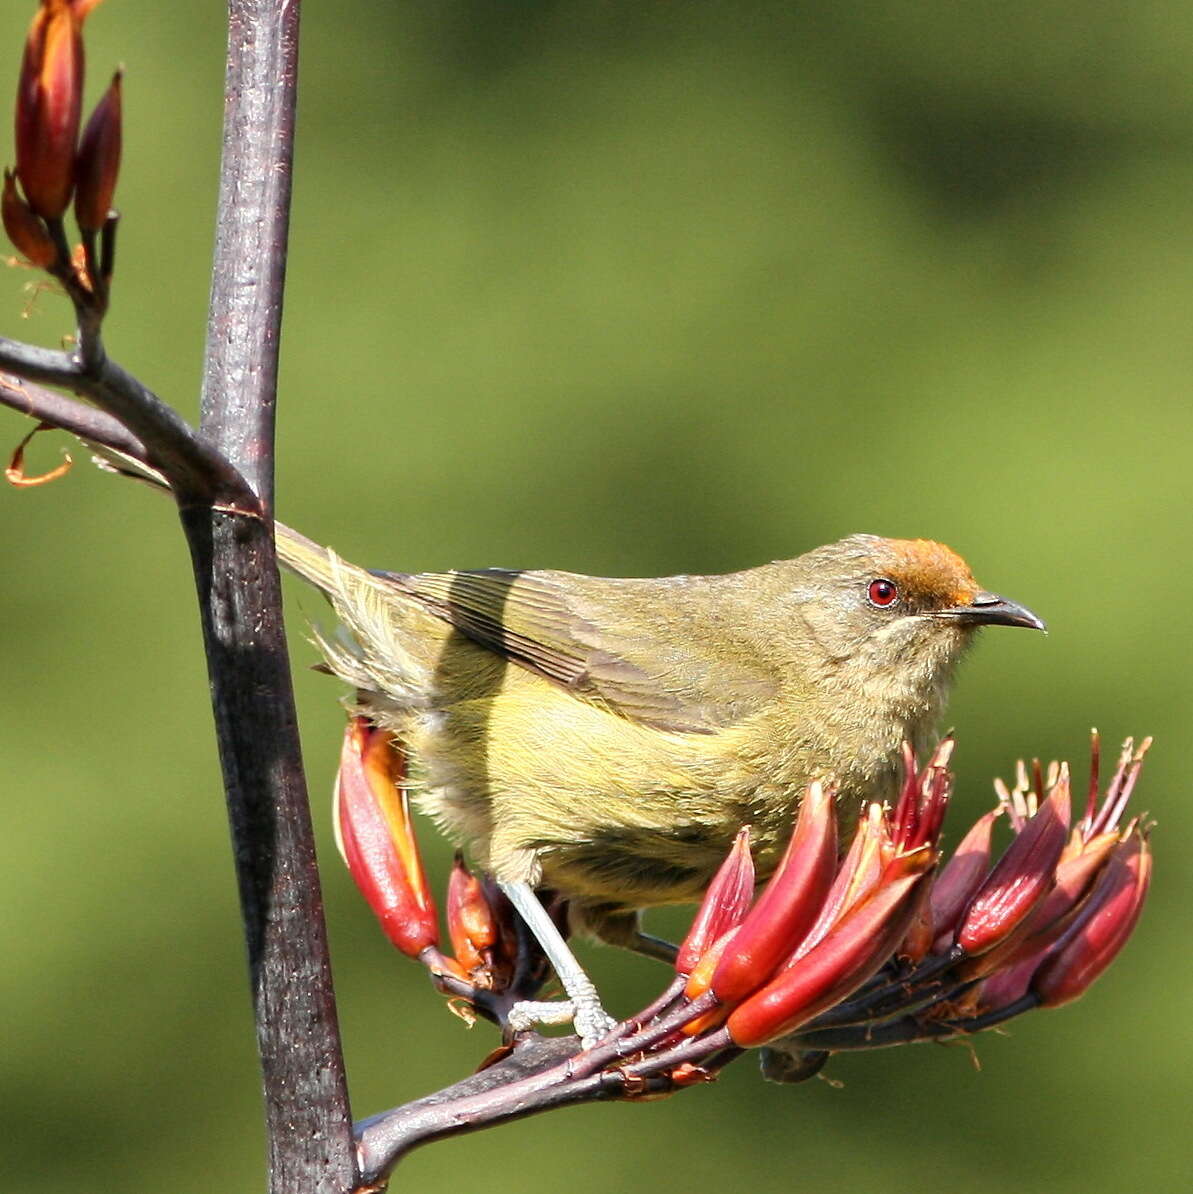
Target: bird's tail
{"points": [[317, 565], [112, 460], [393, 643]]}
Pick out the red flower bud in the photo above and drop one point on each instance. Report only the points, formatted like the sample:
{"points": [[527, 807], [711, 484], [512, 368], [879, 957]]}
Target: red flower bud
{"points": [[376, 837], [1102, 926], [700, 980], [1021, 878], [853, 949], [98, 161], [1118, 792], [1007, 984], [1074, 877], [789, 904], [1082, 884], [1051, 917], [921, 929], [49, 102], [916, 823], [960, 877], [724, 906], [26, 231], [470, 921], [857, 877], [923, 799]]}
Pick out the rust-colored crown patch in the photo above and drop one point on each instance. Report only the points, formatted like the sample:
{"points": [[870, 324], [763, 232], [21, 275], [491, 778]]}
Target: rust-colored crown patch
{"points": [[931, 573]]}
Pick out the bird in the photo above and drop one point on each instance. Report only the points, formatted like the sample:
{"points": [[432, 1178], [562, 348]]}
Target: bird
{"points": [[606, 738]]}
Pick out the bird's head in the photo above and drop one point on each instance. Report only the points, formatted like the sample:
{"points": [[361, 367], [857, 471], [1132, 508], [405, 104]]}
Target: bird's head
{"points": [[896, 608]]}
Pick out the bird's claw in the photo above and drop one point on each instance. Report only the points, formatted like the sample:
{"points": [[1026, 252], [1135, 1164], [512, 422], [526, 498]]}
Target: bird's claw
{"points": [[592, 1023]]}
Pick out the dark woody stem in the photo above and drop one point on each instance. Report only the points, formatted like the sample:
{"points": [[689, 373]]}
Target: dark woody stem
{"points": [[89, 304], [907, 1030], [536, 1077], [95, 273], [107, 249], [696, 1051], [308, 1122], [540, 1075], [928, 984], [543, 1073], [61, 268], [484, 1002], [222, 478], [664, 1001], [632, 1040]]}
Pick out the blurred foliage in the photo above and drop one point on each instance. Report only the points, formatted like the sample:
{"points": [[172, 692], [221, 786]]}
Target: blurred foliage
{"points": [[629, 289]]}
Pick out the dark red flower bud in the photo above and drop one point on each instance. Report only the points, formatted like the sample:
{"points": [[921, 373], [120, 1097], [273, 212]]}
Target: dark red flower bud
{"points": [[49, 103], [98, 161], [921, 929], [1051, 917], [1007, 984], [1102, 926], [923, 799], [1021, 878], [1118, 792], [1082, 884], [961, 876], [376, 837], [857, 877], [1075, 876], [26, 231]]}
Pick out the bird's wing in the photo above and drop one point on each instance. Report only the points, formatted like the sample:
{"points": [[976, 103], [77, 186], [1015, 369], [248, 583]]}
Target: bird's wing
{"points": [[559, 626]]}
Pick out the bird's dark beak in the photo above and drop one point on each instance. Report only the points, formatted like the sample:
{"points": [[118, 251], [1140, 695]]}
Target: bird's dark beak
{"points": [[989, 609]]}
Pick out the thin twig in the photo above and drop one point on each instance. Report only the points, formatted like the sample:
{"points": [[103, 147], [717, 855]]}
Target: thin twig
{"points": [[68, 414], [198, 473]]}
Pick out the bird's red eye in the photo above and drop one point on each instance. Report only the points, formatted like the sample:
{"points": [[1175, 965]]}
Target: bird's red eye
{"points": [[882, 592]]}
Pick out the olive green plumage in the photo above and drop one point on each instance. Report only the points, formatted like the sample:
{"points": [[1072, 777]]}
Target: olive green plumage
{"points": [[607, 738]]}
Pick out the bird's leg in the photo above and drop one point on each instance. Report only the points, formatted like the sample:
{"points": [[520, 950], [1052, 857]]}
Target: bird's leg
{"points": [[622, 928], [583, 1005], [653, 947]]}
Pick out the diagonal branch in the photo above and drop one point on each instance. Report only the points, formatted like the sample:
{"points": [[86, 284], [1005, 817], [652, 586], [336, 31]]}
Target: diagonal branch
{"points": [[538, 1076], [197, 472], [68, 414]]}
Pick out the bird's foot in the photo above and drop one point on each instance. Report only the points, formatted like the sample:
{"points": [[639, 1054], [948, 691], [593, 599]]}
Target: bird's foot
{"points": [[583, 1005], [590, 1020]]}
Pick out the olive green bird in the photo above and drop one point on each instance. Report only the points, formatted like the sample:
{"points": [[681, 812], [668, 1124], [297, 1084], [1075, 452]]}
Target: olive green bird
{"points": [[607, 738]]}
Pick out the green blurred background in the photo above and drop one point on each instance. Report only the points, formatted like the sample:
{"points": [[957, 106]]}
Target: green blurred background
{"points": [[629, 289]]}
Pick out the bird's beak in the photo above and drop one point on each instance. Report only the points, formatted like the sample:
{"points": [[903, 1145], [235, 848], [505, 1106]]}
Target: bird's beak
{"points": [[989, 609]]}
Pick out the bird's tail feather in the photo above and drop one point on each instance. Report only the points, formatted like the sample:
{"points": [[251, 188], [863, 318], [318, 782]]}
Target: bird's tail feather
{"points": [[387, 654], [315, 564]]}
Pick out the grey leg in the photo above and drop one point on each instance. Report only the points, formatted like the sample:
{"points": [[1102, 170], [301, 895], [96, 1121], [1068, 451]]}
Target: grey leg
{"points": [[584, 1005]]}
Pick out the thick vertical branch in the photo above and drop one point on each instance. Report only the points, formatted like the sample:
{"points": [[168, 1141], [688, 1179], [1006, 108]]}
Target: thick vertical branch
{"points": [[307, 1112], [244, 323]]}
